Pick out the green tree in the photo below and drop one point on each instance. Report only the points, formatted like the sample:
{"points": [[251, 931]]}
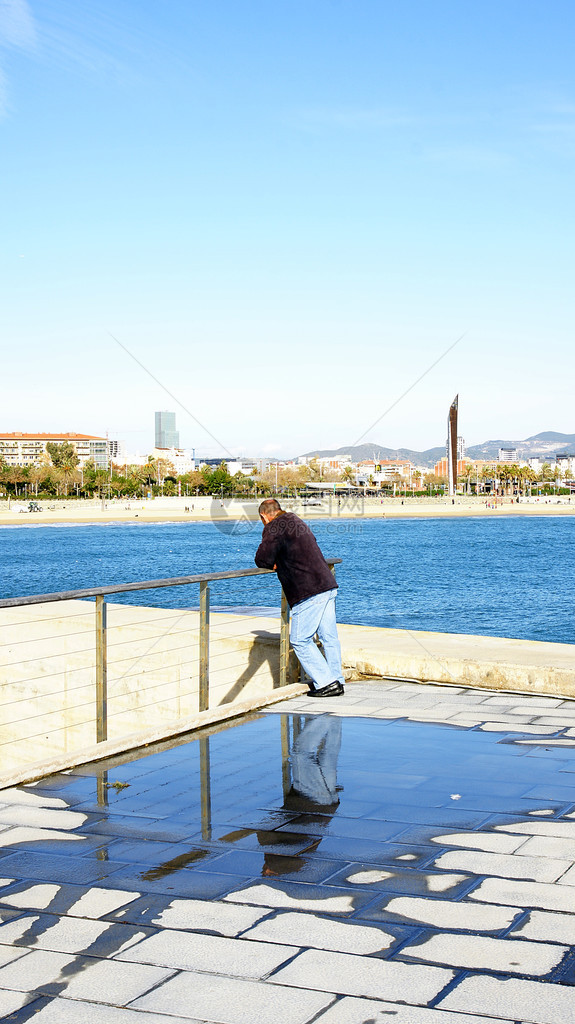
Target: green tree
{"points": [[63, 456], [529, 478], [504, 474], [547, 473], [218, 481], [465, 477]]}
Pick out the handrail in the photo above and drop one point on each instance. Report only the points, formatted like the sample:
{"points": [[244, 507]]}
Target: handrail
{"points": [[120, 588], [100, 667]]}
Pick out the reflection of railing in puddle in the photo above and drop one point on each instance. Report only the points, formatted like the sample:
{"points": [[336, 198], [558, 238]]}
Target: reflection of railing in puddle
{"points": [[310, 748]]}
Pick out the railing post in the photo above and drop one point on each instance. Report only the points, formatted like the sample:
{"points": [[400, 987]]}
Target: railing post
{"points": [[101, 671], [286, 773], [284, 642], [204, 646], [205, 787]]}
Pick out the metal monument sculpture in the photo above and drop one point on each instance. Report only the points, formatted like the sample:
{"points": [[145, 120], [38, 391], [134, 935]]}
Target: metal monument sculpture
{"points": [[452, 446]]}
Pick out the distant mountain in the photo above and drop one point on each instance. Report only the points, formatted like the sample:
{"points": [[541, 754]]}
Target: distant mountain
{"points": [[544, 444], [363, 452], [552, 435]]}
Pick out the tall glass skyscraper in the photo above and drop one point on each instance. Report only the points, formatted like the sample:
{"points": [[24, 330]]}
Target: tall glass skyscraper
{"points": [[166, 434]]}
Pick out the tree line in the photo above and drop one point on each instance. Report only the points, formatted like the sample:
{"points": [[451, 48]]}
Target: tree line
{"points": [[60, 475]]}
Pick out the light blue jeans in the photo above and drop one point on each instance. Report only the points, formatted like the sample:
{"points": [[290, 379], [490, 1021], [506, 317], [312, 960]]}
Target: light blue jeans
{"points": [[317, 615]]}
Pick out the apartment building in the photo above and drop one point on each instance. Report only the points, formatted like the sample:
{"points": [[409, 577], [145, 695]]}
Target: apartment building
{"points": [[19, 449]]}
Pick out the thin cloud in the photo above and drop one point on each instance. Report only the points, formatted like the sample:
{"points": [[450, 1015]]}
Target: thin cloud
{"points": [[17, 25], [86, 39], [17, 32]]}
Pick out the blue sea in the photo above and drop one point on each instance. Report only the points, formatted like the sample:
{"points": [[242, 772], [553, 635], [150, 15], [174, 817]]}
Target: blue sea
{"points": [[511, 577]]}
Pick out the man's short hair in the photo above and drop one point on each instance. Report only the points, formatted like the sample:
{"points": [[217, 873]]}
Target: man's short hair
{"points": [[268, 506]]}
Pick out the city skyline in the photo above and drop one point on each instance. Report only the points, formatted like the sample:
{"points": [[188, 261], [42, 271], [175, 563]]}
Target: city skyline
{"points": [[545, 444], [315, 216]]}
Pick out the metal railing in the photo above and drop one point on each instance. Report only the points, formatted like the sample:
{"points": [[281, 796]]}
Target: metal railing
{"points": [[100, 678]]}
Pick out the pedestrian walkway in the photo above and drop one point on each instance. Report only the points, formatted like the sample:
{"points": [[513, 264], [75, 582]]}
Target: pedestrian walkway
{"points": [[404, 852]]}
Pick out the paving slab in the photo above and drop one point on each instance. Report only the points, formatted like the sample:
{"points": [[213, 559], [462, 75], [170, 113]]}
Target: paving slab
{"points": [[70, 935], [555, 829], [211, 953], [46, 840], [479, 952], [445, 914], [545, 926], [369, 1011], [11, 1001], [233, 1001], [479, 863], [548, 846], [10, 953], [202, 915], [487, 841], [109, 981], [69, 1011], [346, 974], [528, 1001], [36, 971], [417, 883], [326, 899], [307, 930], [539, 895], [56, 868], [75, 901]]}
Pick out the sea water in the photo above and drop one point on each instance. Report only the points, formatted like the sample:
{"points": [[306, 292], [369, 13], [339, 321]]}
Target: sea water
{"points": [[511, 577]]}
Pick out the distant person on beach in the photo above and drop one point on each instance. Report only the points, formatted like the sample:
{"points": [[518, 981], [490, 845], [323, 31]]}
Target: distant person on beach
{"points": [[289, 547]]}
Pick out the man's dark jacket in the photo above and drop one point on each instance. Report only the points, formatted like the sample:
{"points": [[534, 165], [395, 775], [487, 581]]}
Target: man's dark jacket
{"points": [[290, 546]]}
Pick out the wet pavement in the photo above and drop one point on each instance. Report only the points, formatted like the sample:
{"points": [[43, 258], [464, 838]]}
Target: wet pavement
{"points": [[402, 853]]}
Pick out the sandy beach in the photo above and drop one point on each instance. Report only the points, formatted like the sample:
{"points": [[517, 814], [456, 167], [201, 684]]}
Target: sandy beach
{"points": [[205, 509]]}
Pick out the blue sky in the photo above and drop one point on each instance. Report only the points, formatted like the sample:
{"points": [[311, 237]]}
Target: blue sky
{"points": [[287, 211]]}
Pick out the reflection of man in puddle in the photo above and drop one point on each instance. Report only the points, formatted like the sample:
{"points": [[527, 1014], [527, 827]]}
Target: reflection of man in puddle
{"points": [[312, 794], [314, 787]]}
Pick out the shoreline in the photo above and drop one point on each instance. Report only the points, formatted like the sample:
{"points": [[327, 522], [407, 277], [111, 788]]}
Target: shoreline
{"points": [[205, 510]]}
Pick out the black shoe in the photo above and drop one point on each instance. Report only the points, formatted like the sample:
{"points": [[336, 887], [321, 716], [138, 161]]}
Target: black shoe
{"points": [[331, 690]]}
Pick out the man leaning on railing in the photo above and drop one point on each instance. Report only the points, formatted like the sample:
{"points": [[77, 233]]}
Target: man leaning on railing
{"points": [[289, 547]]}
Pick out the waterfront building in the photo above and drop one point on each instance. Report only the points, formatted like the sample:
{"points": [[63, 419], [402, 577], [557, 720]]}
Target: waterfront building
{"points": [[19, 449], [334, 462], [367, 467], [442, 468], [181, 460], [566, 463], [389, 469], [166, 435], [117, 452], [507, 455]]}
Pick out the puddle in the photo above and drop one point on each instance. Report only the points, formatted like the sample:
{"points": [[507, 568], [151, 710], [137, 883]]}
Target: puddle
{"points": [[302, 797], [339, 828]]}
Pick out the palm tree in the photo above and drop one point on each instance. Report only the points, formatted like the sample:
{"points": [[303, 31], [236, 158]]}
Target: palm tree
{"points": [[559, 474], [504, 473], [67, 467], [529, 477], [467, 474], [514, 474]]}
